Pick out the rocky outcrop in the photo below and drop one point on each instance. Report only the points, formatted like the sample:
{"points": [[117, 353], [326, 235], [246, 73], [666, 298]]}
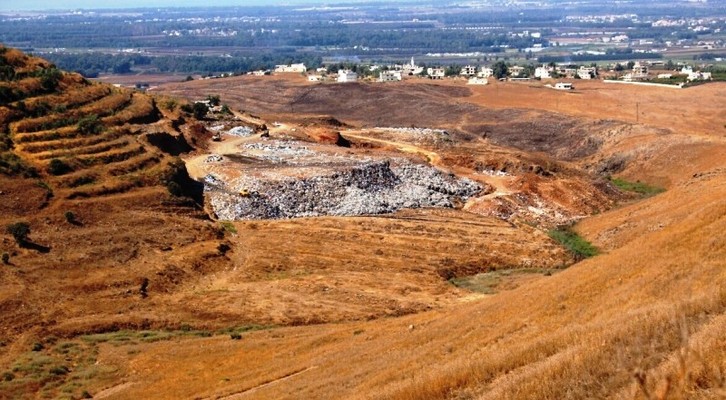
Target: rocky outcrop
{"points": [[371, 188]]}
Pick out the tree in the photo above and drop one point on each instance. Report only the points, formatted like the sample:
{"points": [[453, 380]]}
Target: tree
{"points": [[500, 69], [122, 67], [213, 100], [20, 232], [200, 110]]}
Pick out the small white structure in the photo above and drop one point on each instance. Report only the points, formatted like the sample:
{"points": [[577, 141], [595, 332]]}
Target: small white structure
{"points": [[563, 86], [315, 78], [291, 68], [346, 75], [665, 76], [485, 72], [543, 72], [468, 70], [640, 71], [478, 81], [699, 76], [321, 70], [587, 72], [390, 76], [261, 72], [436, 73]]}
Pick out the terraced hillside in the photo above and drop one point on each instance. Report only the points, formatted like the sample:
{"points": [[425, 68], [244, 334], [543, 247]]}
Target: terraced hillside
{"points": [[83, 139]]}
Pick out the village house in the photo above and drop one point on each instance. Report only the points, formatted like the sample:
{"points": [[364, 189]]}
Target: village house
{"points": [[639, 72], [436, 73], [485, 72], [587, 72], [468, 70], [516, 71], [568, 72], [699, 76], [543, 72], [389, 76], [299, 68], [315, 78], [346, 75]]}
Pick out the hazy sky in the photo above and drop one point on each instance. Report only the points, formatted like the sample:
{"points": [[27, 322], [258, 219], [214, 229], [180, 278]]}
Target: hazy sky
{"points": [[8, 5]]}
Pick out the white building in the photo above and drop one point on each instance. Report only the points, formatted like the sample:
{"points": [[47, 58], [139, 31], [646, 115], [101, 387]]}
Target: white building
{"points": [[485, 72], [640, 71], [390, 76], [291, 68], [477, 81], [587, 72], [699, 76], [543, 72], [516, 71], [315, 78], [469, 70], [563, 86], [346, 75], [408, 69], [436, 73]]}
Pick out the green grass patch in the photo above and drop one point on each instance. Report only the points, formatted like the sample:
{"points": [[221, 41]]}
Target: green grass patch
{"points": [[228, 226], [491, 282], [639, 187], [573, 242]]}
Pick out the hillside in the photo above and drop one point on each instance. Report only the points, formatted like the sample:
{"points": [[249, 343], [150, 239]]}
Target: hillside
{"points": [[403, 286]]}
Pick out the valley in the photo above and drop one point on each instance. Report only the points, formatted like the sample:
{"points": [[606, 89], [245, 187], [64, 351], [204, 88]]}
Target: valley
{"points": [[362, 241]]}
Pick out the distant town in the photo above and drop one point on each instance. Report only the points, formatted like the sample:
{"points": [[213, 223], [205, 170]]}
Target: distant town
{"points": [[628, 41]]}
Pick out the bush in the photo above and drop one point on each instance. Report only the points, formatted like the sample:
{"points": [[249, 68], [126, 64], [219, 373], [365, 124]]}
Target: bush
{"points": [[58, 167], [37, 346], [235, 336], [90, 125], [20, 232], [70, 216], [6, 258], [573, 242], [175, 189]]}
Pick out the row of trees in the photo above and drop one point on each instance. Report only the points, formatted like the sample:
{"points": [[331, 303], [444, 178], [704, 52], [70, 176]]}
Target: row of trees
{"points": [[92, 64]]}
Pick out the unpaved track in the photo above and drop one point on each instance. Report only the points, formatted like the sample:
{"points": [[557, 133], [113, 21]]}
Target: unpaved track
{"points": [[432, 157]]}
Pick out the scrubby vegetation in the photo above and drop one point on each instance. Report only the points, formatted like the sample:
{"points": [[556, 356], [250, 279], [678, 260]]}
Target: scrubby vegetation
{"points": [[573, 242], [638, 187]]}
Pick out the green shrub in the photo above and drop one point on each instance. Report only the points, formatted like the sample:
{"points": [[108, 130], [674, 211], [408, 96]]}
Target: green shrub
{"points": [[235, 336], [58, 167], [37, 346], [20, 232], [70, 216], [573, 242], [6, 258], [90, 125]]}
